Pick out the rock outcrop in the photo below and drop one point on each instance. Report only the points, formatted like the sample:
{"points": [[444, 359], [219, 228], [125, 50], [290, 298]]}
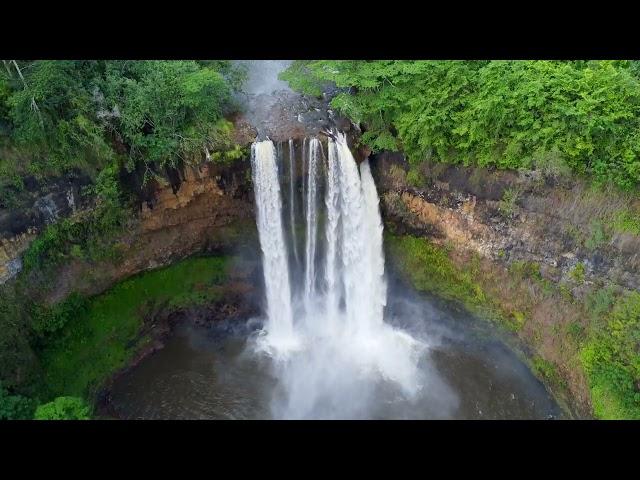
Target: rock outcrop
{"points": [[508, 217], [39, 205], [209, 210]]}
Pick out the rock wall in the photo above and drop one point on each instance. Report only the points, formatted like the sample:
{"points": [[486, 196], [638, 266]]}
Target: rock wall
{"points": [[38, 206], [548, 224], [210, 209]]}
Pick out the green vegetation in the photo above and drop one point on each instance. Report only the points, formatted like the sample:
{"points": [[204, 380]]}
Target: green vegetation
{"points": [[577, 273], [556, 115], [62, 115], [597, 236], [104, 333], [612, 363], [64, 408], [71, 348], [430, 270], [89, 237], [15, 407], [415, 178], [522, 269], [627, 222], [18, 363], [546, 370], [508, 205], [97, 118]]}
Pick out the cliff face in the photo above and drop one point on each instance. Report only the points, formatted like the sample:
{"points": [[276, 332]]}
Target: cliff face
{"points": [[209, 208], [39, 205], [508, 217]]}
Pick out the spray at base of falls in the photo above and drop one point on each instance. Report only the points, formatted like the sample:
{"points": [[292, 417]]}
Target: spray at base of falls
{"points": [[331, 349]]}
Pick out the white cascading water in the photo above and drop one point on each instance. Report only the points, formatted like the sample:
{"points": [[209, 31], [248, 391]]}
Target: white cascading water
{"points": [[332, 199], [338, 350], [272, 243], [292, 205], [312, 220]]}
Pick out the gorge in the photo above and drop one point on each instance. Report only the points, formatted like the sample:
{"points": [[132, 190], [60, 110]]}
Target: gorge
{"points": [[308, 259]]}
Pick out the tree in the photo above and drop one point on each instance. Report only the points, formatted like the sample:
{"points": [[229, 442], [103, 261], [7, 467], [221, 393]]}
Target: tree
{"points": [[167, 110], [505, 114]]}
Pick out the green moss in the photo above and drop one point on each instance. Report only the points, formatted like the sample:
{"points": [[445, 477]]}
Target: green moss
{"points": [[429, 269], [104, 335]]}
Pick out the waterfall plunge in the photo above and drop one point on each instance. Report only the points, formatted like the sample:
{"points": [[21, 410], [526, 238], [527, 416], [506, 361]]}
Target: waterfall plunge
{"points": [[332, 354]]}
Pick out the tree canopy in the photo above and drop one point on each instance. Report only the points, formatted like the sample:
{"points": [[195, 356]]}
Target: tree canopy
{"points": [[507, 114], [67, 114]]}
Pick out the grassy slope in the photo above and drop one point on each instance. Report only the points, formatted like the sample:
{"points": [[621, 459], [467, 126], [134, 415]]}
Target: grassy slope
{"points": [[102, 338]]}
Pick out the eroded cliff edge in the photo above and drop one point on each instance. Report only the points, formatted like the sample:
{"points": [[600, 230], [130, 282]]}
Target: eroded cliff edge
{"points": [[537, 253]]}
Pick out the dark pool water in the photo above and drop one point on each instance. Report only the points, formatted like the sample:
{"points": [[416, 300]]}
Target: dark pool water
{"points": [[209, 373]]}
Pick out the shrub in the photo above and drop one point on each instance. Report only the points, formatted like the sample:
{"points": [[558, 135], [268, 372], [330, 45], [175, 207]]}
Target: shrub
{"points": [[627, 222], [509, 204], [597, 236], [578, 272], [64, 408], [415, 178], [47, 320]]}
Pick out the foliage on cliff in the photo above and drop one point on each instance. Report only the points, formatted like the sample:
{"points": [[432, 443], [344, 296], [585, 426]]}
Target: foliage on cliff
{"points": [[61, 115], [89, 237], [507, 114]]}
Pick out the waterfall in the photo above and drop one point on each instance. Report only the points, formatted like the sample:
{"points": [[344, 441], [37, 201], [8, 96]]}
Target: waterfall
{"points": [[272, 243], [338, 350], [333, 217], [292, 180], [375, 253], [312, 219]]}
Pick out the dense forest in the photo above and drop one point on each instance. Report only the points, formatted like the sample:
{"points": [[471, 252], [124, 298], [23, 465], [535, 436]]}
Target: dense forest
{"points": [[578, 116]]}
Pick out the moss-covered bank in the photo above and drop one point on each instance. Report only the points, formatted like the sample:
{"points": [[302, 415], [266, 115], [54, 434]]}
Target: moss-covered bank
{"points": [[584, 350], [105, 332]]}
